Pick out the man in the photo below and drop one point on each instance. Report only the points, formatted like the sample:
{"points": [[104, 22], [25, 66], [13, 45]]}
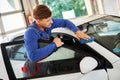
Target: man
{"points": [[41, 29]]}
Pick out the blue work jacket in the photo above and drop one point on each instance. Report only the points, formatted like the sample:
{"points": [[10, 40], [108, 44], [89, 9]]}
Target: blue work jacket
{"points": [[33, 50]]}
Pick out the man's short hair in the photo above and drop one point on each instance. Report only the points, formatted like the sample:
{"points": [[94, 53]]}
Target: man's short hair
{"points": [[41, 12]]}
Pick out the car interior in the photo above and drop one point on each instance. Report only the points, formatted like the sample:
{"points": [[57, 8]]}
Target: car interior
{"points": [[64, 61]]}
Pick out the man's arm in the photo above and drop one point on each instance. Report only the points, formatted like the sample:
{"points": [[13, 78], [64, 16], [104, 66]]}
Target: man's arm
{"points": [[64, 23], [68, 24], [33, 51]]}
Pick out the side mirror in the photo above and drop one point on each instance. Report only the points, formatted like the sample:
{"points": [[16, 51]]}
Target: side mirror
{"points": [[88, 64]]}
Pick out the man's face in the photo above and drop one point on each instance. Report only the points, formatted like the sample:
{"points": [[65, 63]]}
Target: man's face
{"points": [[45, 23]]}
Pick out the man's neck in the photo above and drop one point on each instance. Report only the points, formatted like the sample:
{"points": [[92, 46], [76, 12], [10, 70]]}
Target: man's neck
{"points": [[40, 27]]}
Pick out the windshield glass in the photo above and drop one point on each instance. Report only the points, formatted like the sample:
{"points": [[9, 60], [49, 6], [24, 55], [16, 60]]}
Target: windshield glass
{"points": [[107, 32]]}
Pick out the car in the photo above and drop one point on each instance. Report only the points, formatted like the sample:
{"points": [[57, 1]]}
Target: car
{"points": [[96, 60]]}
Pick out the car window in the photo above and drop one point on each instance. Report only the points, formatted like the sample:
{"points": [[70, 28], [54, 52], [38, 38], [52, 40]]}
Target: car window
{"points": [[63, 61], [106, 31]]}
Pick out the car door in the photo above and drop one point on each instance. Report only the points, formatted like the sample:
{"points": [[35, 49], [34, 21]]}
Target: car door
{"points": [[62, 64]]}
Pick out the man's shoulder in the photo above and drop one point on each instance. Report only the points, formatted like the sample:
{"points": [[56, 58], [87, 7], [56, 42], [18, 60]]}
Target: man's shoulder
{"points": [[31, 30]]}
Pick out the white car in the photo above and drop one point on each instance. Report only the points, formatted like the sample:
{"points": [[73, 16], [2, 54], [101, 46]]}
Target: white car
{"points": [[97, 60]]}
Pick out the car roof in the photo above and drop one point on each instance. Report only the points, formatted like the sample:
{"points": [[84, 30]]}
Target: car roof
{"points": [[64, 31]]}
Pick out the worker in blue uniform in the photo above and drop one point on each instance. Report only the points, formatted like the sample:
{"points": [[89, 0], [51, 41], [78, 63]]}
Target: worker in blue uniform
{"points": [[41, 29]]}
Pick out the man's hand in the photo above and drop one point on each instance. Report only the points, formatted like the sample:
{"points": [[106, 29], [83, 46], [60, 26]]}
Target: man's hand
{"points": [[81, 35], [58, 42]]}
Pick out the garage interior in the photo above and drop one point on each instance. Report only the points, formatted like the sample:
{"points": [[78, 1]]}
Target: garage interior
{"points": [[24, 7]]}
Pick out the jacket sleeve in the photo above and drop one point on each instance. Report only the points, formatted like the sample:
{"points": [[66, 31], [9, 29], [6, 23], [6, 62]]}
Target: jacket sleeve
{"points": [[64, 23], [33, 52]]}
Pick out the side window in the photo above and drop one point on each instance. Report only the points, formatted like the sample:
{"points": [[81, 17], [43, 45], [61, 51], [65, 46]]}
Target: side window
{"points": [[16, 56], [58, 62], [16, 52], [61, 54], [65, 57]]}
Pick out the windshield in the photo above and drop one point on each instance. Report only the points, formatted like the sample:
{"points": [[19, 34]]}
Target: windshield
{"points": [[107, 32]]}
